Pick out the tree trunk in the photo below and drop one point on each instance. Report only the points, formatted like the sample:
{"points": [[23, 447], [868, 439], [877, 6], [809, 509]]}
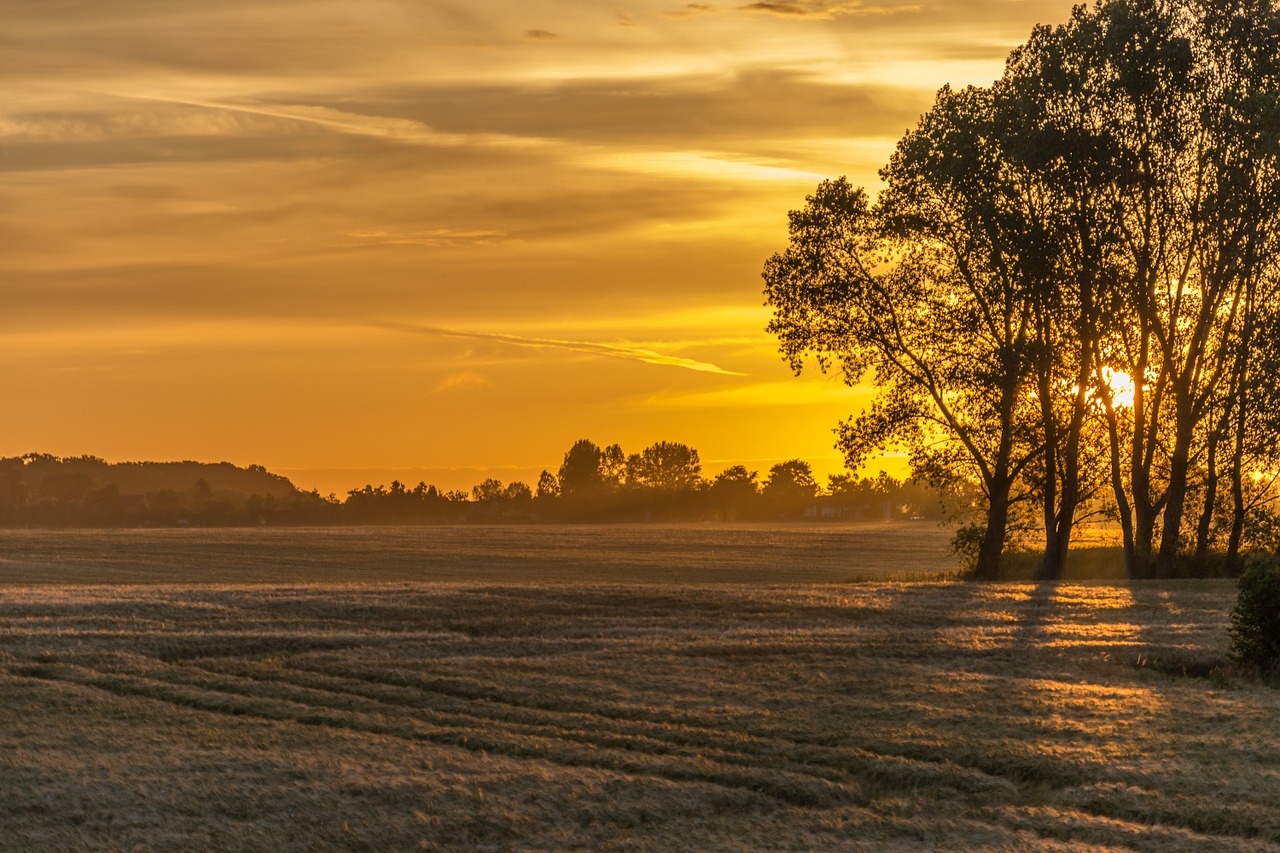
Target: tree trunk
{"points": [[1123, 508], [992, 548], [1205, 526], [1231, 560], [1144, 525], [1049, 566], [1171, 535]]}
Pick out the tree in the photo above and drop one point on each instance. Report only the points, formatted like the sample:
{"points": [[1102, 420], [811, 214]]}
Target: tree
{"points": [[1108, 209], [666, 466], [581, 474], [517, 492], [548, 485], [488, 491], [1164, 119], [613, 466], [733, 491], [933, 322], [790, 486]]}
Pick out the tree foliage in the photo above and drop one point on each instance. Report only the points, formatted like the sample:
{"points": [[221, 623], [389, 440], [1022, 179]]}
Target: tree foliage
{"points": [[1255, 621], [1109, 208]]}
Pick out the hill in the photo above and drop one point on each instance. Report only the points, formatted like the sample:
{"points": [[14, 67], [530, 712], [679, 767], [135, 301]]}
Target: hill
{"points": [[42, 489]]}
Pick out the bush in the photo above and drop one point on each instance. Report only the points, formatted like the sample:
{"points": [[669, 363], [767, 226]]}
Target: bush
{"points": [[1255, 623], [966, 543]]}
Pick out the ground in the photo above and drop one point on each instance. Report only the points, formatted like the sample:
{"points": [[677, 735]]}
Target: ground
{"points": [[637, 716]]}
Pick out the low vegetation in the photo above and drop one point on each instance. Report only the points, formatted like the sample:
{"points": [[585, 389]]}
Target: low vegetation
{"points": [[664, 482], [531, 716], [1255, 622]]}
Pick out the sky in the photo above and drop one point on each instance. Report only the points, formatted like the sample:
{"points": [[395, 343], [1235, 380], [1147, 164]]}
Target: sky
{"points": [[364, 241]]}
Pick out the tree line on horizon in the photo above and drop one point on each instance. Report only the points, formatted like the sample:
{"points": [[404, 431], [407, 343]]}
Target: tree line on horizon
{"points": [[663, 482], [1068, 291]]}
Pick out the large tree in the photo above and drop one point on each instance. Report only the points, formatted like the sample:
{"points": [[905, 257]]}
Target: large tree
{"points": [[921, 296], [1107, 209], [1164, 115]]}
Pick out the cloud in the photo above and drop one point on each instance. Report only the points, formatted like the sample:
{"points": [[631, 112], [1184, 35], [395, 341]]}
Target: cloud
{"points": [[818, 9], [465, 379], [702, 111], [794, 9], [759, 396], [822, 9], [430, 237], [541, 35], [689, 10], [623, 351]]}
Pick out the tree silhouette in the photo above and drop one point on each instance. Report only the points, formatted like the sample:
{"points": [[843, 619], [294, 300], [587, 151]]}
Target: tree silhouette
{"points": [[487, 491], [665, 465], [581, 474], [790, 486], [1109, 208], [548, 486], [733, 491]]}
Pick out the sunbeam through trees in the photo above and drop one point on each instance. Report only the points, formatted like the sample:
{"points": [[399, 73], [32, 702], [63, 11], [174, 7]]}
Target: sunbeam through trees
{"points": [[1067, 291]]}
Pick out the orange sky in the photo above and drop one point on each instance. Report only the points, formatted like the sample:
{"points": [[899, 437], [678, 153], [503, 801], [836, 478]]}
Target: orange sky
{"points": [[429, 240]]}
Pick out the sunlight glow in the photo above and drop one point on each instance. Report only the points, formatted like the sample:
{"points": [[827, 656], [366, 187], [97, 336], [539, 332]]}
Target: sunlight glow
{"points": [[1121, 385]]}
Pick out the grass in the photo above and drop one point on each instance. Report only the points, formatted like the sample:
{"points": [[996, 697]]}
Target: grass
{"points": [[727, 553], [1091, 562], [628, 716]]}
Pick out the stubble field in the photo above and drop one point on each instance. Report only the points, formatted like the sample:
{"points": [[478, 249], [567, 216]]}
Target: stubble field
{"points": [[673, 715]]}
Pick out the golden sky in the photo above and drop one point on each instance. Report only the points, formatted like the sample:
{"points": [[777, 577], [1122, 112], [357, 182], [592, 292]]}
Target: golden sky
{"points": [[357, 241]]}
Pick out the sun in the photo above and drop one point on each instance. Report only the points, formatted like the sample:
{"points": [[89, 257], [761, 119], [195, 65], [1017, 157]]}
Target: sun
{"points": [[1121, 387]]}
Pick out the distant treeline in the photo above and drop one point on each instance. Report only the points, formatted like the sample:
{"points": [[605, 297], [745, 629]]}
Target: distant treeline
{"points": [[663, 482], [42, 490]]}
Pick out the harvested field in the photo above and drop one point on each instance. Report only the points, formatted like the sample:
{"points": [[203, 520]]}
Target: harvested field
{"points": [[624, 553], [629, 717]]}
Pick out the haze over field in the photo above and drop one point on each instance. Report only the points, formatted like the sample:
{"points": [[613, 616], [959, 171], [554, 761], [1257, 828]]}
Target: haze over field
{"points": [[357, 242]]}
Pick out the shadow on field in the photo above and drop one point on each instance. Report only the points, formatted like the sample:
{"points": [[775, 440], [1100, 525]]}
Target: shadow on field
{"points": [[674, 717]]}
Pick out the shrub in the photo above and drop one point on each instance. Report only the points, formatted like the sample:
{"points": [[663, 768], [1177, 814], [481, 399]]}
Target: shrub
{"points": [[1255, 623], [965, 544]]}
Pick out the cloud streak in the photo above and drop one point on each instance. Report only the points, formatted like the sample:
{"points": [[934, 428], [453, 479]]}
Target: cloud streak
{"points": [[815, 9], [820, 9], [622, 351]]}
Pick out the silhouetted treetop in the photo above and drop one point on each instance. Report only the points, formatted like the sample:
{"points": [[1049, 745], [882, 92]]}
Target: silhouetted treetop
{"points": [[666, 465], [1059, 292]]}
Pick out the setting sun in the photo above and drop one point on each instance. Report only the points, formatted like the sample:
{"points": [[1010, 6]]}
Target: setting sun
{"points": [[1121, 386]]}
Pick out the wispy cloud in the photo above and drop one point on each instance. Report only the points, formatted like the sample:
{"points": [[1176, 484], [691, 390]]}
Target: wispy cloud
{"points": [[328, 118], [823, 9], [430, 237], [761, 395], [623, 351], [541, 35], [818, 9], [464, 379], [689, 10]]}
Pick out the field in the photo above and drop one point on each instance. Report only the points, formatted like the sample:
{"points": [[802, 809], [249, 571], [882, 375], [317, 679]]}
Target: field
{"points": [[747, 553], [521, 714]]}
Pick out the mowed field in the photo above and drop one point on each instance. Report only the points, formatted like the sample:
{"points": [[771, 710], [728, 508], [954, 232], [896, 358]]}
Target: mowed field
{"points": [[518, 714], [639, 553]]}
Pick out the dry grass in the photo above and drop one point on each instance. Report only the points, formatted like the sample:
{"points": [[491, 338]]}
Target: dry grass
{"points": [[645, 553], [602, 717]]}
